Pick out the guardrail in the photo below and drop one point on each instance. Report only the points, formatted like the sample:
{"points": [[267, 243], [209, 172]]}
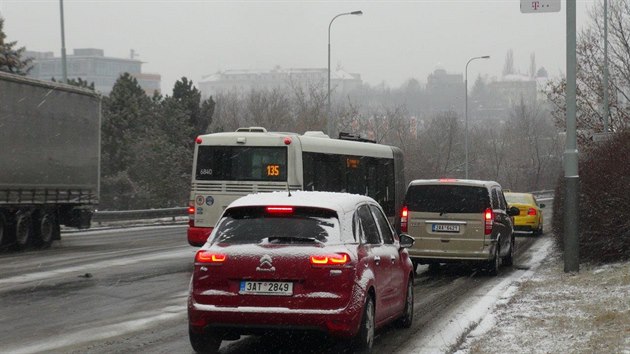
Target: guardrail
{"points": [[104, 216]]}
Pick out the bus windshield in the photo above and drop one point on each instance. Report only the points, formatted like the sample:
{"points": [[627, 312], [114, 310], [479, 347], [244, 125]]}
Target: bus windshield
{"points": [[241, 163]]}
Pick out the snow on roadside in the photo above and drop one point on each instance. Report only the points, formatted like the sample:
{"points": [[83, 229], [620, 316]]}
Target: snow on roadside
{"points": [[444, 335], [556, 312]]}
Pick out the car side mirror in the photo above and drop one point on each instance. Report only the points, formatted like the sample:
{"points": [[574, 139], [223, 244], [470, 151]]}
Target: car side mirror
{"points": [[542, 206], [406, 241], [513, 211]]}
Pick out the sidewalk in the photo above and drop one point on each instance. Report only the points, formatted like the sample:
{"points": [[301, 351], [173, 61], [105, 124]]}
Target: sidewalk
{"points": [[556, 312]]}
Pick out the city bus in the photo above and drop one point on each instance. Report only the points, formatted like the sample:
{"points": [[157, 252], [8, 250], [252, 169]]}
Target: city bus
{"points": [[229, 165]]}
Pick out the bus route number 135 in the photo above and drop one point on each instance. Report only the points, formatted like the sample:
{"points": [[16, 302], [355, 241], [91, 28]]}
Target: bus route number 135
{"points": [[273, 170]]}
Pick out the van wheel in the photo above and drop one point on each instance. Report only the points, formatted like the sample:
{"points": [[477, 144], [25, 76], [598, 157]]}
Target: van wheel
{"points": [[494, 263], [434, 268], [204, 343], [364, 340], [23, 230], [508, 260], [407, 317]]}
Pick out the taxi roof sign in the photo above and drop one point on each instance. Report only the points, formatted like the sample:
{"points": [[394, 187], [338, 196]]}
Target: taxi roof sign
{"points": [[536, 6]]}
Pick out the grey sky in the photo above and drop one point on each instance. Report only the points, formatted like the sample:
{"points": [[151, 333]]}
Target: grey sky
{"points": [[392, 42]]}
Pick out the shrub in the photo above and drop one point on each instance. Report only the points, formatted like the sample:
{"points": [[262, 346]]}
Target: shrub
{"points": [[604, 202]]}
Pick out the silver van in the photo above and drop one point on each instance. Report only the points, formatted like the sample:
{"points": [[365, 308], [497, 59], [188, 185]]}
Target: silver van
{"points": [[456, 220]]}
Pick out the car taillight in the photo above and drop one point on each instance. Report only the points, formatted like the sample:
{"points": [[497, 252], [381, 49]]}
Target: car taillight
{"points": [[531, 211], [488, 217], [191, 215], [210, 257], [330, 259], [403, 218]]}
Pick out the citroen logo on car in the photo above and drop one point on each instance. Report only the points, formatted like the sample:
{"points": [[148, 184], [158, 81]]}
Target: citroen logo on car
{"points": [[265, 264]]}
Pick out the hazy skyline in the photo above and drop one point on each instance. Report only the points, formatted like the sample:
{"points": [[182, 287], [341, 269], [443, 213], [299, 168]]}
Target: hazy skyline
{"points": [[391, 42]]}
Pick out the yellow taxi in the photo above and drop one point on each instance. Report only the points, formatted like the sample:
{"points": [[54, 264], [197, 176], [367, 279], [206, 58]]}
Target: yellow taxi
{"points": [[530, 217]]}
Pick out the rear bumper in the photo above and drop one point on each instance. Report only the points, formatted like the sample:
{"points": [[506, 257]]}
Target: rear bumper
{"points": [[234, 321], [424, 256], [197, 236]]}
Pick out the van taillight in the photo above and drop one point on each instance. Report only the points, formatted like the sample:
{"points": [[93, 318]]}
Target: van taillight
{"points": [[531, 211], [404, 212], [488, 216]]}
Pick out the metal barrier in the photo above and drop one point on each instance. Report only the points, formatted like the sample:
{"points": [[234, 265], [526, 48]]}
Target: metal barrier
{"points": [[104, 216]]}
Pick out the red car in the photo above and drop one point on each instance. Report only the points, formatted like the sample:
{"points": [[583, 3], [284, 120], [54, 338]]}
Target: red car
{"points": [[319, 261]]}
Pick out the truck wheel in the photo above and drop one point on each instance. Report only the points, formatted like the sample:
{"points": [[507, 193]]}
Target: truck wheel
{"points": [[44, 226], [4, 228], [23, 230]]}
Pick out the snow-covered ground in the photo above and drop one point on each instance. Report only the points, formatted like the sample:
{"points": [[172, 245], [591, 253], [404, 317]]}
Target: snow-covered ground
{"points": [[539, 309]]}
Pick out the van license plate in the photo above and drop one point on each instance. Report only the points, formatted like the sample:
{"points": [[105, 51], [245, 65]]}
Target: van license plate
{"points": [[266, 288], [445, 228]]}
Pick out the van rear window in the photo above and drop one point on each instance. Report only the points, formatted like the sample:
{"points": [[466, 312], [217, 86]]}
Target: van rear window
{"points": [[447, 199]]}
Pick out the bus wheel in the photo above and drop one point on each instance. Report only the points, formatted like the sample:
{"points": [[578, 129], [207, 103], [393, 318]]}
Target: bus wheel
{"points": [[23, 230]]}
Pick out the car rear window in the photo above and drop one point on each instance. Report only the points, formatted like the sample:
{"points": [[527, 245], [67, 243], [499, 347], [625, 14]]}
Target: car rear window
{"points": [[447, 199], [519, 198], [255, 225]]}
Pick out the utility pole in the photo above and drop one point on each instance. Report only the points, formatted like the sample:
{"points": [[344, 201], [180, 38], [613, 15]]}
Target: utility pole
{"points": [[571, 177], [64, 71]]}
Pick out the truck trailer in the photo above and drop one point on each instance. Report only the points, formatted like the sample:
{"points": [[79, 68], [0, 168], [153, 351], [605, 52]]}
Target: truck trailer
{"points": [[49, 159]]}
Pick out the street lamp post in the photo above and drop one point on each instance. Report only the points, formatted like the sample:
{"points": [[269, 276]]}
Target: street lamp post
{"points": [[466, 110], [329, 123]]}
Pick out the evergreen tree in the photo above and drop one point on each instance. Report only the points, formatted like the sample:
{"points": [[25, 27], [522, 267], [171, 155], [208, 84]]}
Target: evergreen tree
{"points": [[200, 113], [12, 60]]}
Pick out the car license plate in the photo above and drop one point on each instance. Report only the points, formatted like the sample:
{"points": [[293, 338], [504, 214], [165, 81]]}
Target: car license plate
{"points": [[445, 228], [266, 288]]}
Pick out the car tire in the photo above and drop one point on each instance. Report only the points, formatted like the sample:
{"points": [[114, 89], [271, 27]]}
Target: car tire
{"points": [[414, 266], [508, 260], [204, 342], [407, 316], [494, 263], [4, 228], [364, 340]]}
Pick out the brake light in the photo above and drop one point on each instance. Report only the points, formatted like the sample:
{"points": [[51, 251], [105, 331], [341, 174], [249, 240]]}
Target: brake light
{"points": [[403, 218], [330, 259], [203, 256], [447, 179], [191, 215], [488, 216], [279, 210], [531, 211]]}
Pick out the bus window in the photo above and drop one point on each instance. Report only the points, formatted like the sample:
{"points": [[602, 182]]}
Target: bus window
{"points": [[241, 163]]}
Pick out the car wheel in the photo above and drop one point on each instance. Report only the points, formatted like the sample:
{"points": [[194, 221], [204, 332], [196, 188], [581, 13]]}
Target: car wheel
{"points": [[364, 340], [414, 266], [494, 263], [539, 232], [204, 343], [23, 230], [407, 317], [508, 260]]}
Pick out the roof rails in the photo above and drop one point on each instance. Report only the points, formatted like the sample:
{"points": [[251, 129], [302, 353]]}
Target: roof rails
{"points": [[354, 137], [251, 130]]}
